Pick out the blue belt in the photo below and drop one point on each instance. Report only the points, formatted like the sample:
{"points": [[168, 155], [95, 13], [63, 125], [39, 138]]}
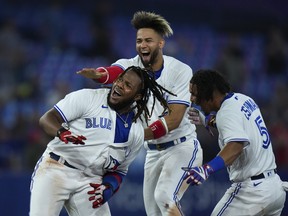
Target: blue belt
{"points": [[163, 146], [57, 157]]}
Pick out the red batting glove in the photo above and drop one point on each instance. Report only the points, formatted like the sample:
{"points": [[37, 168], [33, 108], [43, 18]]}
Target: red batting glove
{"points": [[67, 136], [100, 194]]}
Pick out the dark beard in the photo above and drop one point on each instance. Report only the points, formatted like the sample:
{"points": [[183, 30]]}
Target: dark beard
{"points": [[148, 65], [121, 105]]}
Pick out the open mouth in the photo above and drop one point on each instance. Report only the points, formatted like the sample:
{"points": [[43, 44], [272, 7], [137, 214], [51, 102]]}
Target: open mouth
{"points": [[145, 53], [116, 93], [145, 56]]}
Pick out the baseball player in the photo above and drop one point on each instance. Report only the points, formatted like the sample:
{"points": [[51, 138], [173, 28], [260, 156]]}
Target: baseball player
{"points": [[171, 139], [97, 134], [246, 150]]}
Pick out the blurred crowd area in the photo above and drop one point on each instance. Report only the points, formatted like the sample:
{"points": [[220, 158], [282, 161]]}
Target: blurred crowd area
{"points": [[42, 45]]}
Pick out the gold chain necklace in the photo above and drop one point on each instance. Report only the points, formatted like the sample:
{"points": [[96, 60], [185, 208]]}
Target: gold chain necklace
{"points": [[125, 122]]}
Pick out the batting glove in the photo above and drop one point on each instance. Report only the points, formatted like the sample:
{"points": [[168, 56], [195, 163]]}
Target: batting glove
{"points": [[67, 136], [198, 118], [197, 175], [100, 194]]}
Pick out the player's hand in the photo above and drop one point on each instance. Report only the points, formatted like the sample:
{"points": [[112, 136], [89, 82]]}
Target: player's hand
{"points": [[67, 136], [197, 175], [91, 73], [100, 194], [198, 118]]}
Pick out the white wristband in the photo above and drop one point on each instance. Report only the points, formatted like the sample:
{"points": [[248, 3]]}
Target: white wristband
{"points": [[165, 124]]}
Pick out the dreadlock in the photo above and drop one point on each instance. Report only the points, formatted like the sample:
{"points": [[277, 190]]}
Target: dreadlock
{"points": [[148, 85]]}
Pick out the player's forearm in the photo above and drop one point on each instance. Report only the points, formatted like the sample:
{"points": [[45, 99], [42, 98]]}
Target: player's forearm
{"points": [[172, 123], [163, 125], [148, 134], [156, 130], [114, 179], [231, 152], [111, 74]]}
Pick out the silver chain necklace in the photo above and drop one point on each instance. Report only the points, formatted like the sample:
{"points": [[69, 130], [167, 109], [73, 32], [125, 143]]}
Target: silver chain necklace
{"points": [[125, 122]]}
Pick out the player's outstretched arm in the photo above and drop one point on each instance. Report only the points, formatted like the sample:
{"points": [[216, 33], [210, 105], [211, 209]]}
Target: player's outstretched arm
{"points": [[92, 73], [105, 75]]}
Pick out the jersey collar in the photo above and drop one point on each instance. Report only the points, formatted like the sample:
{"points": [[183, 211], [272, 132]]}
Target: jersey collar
{"points": [[229, 95], [157, 73]]}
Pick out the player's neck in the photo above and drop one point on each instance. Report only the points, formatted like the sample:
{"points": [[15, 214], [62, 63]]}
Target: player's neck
{"points": [[157, 65], [218, 99], [123, 110]]}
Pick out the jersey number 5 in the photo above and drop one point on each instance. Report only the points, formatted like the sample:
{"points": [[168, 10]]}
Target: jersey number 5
{"points": [[263, 131]]}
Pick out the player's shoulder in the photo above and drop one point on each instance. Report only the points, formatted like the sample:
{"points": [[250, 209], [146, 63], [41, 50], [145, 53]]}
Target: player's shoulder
{"points": [[89, 94], [237, 99], [246, 102], [242, 96], [87, 91], [175, 69], [175, 64], [231, 106], [174, 61], [127, 62]]}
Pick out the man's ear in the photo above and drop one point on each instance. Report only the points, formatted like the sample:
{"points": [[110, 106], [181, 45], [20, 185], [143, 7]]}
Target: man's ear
{"points": [[138, 97], [162, 43]]}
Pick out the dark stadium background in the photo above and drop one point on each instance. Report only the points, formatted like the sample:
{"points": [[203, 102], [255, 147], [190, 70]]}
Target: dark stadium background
{"points": [[43, 43]]}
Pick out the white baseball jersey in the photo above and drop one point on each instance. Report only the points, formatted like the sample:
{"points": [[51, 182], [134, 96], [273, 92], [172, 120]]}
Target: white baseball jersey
{"points": [[175, 77], [86, 112], [239, 119], [110, 146]]}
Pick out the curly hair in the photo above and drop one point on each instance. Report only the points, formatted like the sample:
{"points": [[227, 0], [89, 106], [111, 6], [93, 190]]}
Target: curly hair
{"points": [[143, 19], [207, 81], [149, 85]]}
